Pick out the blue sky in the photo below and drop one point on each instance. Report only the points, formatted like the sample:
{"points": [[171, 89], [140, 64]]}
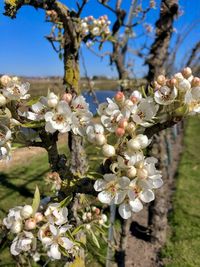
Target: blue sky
{"points": [[24, 50]]}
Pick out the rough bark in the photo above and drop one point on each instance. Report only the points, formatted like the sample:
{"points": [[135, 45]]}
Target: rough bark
{"points": [[164, 29], [158, 209]]}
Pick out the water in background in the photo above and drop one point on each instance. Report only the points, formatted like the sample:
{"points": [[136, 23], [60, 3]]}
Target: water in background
{"points": [[101, 96]]}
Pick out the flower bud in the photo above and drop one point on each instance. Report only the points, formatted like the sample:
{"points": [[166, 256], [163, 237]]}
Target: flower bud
{"points": [[184, 85], [88, 226], [5, 79], [2, 100], [134, 144], [142, 173], [67, 97], [15, 79], [143, 140], [119, 132], [133, 99], [195, 82], [161, 80], [139, 164], [16, 227], [108, 150], [89, 215], [101, 222], [179, 77], [123, 123], [130, 127], [131, 172], [97, 211], [84, 217], [104, 217], [100, 139], [52, 100], [30, 224], [27, 211], [94, 208], [171, 83], [119, 97], [38, 217], [187, 72], [95, 31]]}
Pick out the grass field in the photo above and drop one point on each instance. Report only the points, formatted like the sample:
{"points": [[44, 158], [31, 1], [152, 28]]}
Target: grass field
{"points": [[183, 246]]}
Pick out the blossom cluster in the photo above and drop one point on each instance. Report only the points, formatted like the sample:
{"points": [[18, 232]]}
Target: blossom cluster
{"points": [[49, 227], [130, 178], [96, 27], [94, 215]]}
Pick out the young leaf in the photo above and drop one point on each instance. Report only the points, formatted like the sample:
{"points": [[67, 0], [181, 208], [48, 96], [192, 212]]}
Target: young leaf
{"points": [[77, 229], [36, 200], [94, 239], [66, 201]]}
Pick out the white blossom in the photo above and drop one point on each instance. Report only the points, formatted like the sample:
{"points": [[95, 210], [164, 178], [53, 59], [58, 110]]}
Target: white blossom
{"points": [[111, 188], [60, 119], [23, 242], [56, 214], [53, 238], [16, 91], [165, 95]]}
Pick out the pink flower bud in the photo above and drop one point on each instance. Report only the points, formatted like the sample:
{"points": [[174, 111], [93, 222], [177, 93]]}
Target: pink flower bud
{"points": [[161, 80], [134, 99], [119, 97], [97, 211], [119, 132], [171, 83], [38, 217], [67, 97], [123, 123], [187, 72], [30, 224], [195, 82], [5, 79]]}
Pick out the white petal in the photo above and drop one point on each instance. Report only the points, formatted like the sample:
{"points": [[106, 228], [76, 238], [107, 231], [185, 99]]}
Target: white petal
{"points": [[125, 211], [136, 205], [66, 243], [53, 229], [48, 116], [157, 183], [14, 250], [105, 197], [119, 197], [54, 252], [109, 177], [49, 128], [124, 182], [99, 185], [63, 107], [147, 196]]}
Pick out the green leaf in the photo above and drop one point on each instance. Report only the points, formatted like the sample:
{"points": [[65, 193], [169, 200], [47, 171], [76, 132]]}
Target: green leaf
{"points": [[94, 239], [99, 229], [33, 124], [36, 200], [33, 101], [65, 202], [77, 229]]}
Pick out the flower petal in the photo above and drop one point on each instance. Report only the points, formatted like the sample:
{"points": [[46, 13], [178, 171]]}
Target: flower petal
{"points": [[125, 211]]}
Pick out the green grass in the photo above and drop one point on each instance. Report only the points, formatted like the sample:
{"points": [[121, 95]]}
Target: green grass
{"points": [[183, 246]]}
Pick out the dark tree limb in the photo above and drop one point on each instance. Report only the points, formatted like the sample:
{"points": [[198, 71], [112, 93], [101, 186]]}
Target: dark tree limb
{"points": [[164, 29]]}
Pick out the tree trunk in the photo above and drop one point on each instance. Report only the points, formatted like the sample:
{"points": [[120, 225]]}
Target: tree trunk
{"points": [[71, 80], [164, 29]]}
